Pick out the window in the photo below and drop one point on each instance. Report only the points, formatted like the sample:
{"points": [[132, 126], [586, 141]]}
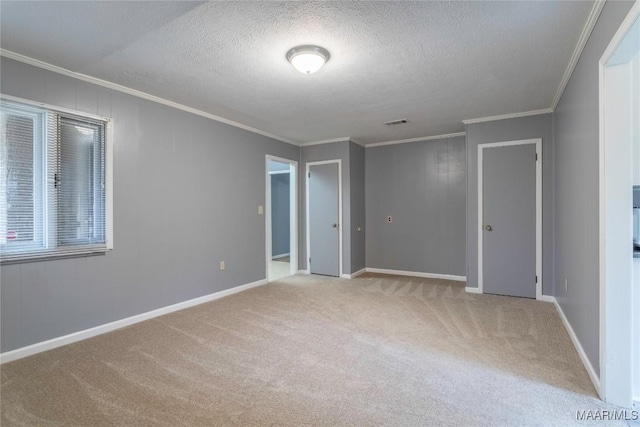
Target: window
{"points": [[53, 182]]}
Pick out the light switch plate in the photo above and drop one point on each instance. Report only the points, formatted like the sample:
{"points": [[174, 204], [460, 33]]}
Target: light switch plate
{"points": [[260, 210]]}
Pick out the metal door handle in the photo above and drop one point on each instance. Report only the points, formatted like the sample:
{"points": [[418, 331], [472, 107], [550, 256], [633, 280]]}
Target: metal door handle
{"points": [[488, 227], [334, 225]]}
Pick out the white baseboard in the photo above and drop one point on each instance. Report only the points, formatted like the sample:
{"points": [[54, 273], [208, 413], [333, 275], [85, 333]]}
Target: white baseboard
{"points": [[280, 256], [354, 275], [303, 272], [472, 290], [576, 343], [108, 327], [547, 298], [417, 274]]}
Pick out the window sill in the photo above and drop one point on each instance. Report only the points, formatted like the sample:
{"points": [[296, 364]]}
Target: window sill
{"points": [[51, 256]]}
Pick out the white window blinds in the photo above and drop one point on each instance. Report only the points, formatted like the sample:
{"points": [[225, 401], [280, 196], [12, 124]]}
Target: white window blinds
{"points": [[80, 182], [53, 193]]}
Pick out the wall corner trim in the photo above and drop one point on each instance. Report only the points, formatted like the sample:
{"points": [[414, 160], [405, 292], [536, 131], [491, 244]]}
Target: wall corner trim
{"points": [[577, 52], [354, 275], [508, 116], [576, 342], [417, 274], [139, 94], [36, 348]]}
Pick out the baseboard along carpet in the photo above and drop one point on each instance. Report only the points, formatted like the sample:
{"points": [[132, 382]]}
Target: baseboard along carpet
{"points": [[306, 350]]}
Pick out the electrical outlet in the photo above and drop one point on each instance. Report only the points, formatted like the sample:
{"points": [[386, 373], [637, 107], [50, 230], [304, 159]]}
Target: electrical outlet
{"points": [[566, 285], [389, 219], [222, 266]]}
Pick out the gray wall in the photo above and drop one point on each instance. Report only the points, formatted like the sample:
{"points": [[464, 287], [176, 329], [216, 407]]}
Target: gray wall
{"points": [[280, 214], [576, 166], [174, 217], [314, 153], [540, 126], [422, 185], [357, 175]]}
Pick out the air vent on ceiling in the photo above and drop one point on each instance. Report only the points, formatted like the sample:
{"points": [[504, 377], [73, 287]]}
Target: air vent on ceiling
{"points": [[396, 122]]}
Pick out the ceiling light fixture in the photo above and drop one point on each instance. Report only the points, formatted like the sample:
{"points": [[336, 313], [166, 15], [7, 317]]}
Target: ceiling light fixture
{"points": [[308, 58]]}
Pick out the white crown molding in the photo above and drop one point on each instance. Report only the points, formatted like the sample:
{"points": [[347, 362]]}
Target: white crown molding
{"points": [[326, 141], [423, 138], [508, 116], [50, 67], [577, 52], [330, 141]]}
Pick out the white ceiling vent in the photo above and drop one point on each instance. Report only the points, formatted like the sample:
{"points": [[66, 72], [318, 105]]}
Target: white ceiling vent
{"points": [[396, 122]]}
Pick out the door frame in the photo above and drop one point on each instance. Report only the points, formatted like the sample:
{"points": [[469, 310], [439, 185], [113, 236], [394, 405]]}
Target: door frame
{"points": [[614, 321], [308, 241], [293, 213], [538, 145]]}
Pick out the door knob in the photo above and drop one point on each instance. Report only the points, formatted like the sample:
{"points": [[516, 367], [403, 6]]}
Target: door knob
{"points": [[334, 225], [488, 227]]}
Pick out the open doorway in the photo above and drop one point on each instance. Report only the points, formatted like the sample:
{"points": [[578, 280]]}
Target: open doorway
{"points": [[619, 220], [281, 218]]}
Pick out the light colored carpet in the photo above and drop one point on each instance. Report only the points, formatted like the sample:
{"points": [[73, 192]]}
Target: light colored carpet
{"points": [[279, 269], [376, 350]]}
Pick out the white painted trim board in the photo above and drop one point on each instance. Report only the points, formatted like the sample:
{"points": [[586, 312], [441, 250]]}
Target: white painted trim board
{"points": [[508, 116], [32, 349], [113, 86], [605, 383], [577, 52], [325, 141], [422, 138], [354, 275]]}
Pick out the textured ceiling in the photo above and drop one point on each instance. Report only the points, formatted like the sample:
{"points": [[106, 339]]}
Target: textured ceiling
{"points": [[434, 63]]}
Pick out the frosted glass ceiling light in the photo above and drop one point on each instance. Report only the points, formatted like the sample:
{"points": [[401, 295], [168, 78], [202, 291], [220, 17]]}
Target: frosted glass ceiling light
{"points": [[308, 58]]}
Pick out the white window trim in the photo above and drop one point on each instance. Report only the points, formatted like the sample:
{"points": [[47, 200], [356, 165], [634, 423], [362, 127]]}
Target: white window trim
{"points": [[108, 209]]}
